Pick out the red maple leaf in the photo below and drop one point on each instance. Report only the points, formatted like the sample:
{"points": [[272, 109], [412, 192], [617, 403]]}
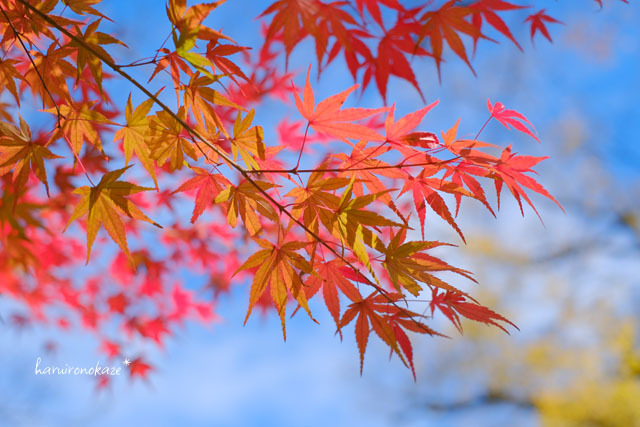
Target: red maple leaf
{"points": [[118, 303], [327, 117], [510, 117], [511, 171], [333, 281], [140, 368], [110, 348], [444, 24], [373, 6], [424, 190], [453, 304], [538, 24], [487, 9], [208, 185], [399, 132]]}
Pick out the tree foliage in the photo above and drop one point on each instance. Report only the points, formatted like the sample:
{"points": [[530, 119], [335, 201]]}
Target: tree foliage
{"points": [[342, 224]]}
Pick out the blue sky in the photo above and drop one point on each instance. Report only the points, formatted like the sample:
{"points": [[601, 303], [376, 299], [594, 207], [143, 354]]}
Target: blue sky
{"points": [[228, 374]]}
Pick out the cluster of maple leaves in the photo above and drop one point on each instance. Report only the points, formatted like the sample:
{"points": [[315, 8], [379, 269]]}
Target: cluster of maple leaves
{"points": [[340, 224]]}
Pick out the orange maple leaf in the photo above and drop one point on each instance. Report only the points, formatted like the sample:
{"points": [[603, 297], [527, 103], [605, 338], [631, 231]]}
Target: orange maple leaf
{"points": [[327, 117], [104, 204]]}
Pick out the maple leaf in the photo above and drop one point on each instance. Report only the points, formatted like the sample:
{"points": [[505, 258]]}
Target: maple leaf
{"points": [[55, 70], [7, 74], [200, 99], [396, 43], [373, 6], [475, 162], [510, 117], [140, 368], [368, 311], [19, 152], [279, 268], [537, 21], [248, 201], [398, 133], [83, 6], [294, 19], [81, 123], [424, 189], [154, 328], [444, 24], [175, 63], [248, 140], [407, 264], [331, 19], [168, 140], [332, 279], [327, 117], [134, 136], [94, 39], [461, 174], [217, 53], [365, 170], [403, 320], [110, 348], [188, 21], [487, 9], [452, 304], [104, 204], [316, 198], [350, 222], [118, 303], [511, 170], [208, 187], [34, 24]]}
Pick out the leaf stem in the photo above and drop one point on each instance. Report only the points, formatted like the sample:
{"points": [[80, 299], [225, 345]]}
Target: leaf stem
{"points": [[483, 126], [304, 141]]}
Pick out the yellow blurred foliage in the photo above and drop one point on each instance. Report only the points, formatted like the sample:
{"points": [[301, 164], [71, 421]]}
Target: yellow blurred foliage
{"points": [[598, 397]]}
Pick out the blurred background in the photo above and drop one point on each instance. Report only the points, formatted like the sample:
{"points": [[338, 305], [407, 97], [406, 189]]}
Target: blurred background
{"points": [[571, 284]]}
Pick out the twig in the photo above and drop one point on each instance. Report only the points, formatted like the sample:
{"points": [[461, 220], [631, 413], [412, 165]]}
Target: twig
{"points": [[400, 165], [24, 47], [79, 160]]}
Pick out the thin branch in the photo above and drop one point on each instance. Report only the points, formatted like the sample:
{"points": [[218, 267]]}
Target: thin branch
{"points": [[365, 168], [137, 63], [107, 61], [166, 39], [24, 47], [78, 159]]}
